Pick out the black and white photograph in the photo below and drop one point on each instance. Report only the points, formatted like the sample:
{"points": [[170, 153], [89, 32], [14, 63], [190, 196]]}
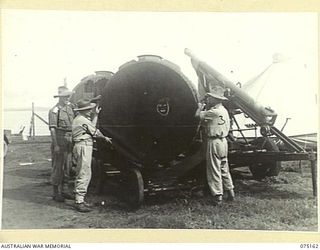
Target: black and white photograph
{"points": [[159, 120]]}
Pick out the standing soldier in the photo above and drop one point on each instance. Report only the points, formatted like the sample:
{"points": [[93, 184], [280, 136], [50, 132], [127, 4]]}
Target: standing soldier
{"points": [[83, 132], [217, 124], [60, 121]]}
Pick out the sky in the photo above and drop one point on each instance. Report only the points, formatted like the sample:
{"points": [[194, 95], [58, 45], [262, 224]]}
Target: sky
{"points": [[41, 48]]}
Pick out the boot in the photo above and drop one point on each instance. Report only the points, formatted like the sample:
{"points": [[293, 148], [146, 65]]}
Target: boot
{"points": [[88, 204], [217, 200], [57, 195], [231, 195], [81, 207], [66, 193]]}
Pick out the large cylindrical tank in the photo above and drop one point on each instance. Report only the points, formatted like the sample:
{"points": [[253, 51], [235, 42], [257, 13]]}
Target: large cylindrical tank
{"points": [[148, 109]]}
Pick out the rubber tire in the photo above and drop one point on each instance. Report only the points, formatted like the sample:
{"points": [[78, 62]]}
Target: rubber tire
{"points": [[270, 168], [134, 188]]}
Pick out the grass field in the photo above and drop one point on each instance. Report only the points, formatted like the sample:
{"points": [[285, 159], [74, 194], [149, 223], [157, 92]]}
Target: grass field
{"points": [[282, 203]]}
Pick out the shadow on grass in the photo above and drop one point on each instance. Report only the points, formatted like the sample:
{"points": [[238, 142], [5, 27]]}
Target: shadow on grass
{"points": [[32, 172], [268, 190], [34, 193], [276, 187], [150, 221], [41, 194], [244, 183]]}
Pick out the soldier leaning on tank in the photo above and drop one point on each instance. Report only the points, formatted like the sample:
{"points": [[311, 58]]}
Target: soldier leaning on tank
{"points": [[83, 132], [97, 163], [217, 125], [60, 121]]}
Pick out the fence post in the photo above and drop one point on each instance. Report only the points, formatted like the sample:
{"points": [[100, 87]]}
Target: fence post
{"points": [[33, 123], [313, 160]]}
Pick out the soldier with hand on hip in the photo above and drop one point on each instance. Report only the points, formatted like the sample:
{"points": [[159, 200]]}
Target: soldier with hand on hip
{"points": [[60, 121], [83, 132], [217, 125]]}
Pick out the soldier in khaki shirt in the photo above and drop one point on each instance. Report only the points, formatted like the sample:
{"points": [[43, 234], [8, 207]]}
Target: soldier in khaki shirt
{"points": [[217, 124], [60, 121], [83, 132]]}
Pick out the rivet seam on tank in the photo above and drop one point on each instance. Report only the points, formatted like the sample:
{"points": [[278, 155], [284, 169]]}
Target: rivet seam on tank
{"points": [[163, 106]]}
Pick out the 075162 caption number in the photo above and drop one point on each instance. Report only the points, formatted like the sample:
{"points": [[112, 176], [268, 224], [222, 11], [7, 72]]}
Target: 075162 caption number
{"points": [[309, 246]]}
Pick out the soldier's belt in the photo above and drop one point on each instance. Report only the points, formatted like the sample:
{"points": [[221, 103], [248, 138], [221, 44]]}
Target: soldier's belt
{"points": [[84, 142], [215, 137], [64, 130]]}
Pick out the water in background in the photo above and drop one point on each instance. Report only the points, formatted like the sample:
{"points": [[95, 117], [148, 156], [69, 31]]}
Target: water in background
{"points": [[15, 120]]}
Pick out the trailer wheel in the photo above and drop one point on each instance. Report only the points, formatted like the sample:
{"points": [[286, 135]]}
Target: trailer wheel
{"points": [[269, 168], [134, 188]]}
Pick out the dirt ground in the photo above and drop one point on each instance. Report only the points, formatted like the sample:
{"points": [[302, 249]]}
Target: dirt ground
{"points": [[283, 203]]}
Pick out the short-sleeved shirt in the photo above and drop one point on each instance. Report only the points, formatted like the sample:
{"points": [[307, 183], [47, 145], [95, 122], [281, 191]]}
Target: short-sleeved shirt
{"points": [[61, 117], [217, 121], [79, 131]]}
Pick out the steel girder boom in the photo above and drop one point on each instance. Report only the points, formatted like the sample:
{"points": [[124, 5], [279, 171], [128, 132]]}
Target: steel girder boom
{"points": [[262, 116]]}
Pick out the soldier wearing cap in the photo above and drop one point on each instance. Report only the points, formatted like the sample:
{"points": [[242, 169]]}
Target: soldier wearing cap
{"points": [[60, 121], [83, 132], [217, 125]]}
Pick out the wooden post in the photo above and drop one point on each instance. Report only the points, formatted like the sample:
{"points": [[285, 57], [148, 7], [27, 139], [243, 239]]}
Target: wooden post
{"points": [[313, 160], [33, 123], [300, 167], [30, 129]]}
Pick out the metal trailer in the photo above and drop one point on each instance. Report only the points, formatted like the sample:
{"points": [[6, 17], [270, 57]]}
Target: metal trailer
{"points": [[148, 109], [262, 154]]}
